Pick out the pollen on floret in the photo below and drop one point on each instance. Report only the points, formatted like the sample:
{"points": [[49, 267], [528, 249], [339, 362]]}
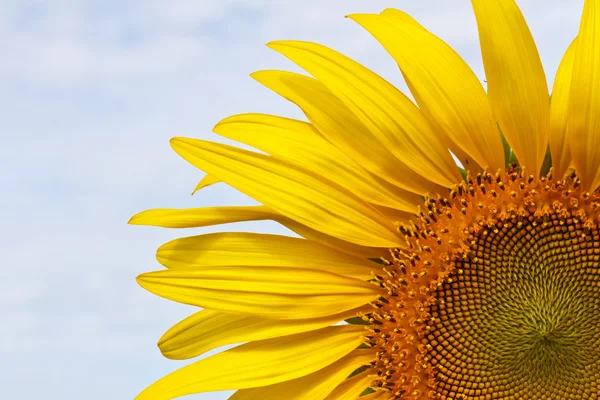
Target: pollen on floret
{"points": [[495, 294]]}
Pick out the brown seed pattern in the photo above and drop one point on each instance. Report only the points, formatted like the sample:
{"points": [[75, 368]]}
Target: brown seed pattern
{"points": [[496, 295]]}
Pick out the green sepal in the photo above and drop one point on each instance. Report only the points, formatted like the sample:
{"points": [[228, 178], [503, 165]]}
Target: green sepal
{"points": [[513, 159], [366, 392], [505, 146], [356, 321], [547, 164], [358, 371], [509, 155]]}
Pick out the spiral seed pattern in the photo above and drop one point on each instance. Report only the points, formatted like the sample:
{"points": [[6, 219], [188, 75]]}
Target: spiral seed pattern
{"points": [[496, 294], [521, 319]]}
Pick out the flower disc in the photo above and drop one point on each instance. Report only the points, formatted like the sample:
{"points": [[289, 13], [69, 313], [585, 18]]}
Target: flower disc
{"points": [[512, 311]]}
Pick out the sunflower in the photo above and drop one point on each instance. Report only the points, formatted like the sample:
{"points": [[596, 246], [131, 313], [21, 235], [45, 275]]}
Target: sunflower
{"points": [[472, 282]]}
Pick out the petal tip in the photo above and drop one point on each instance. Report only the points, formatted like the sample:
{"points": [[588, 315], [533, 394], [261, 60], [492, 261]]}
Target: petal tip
{"points": [[183, 144], [356, 17], [175, 140], [257, 74], [140, 279], [137, 219], [222, 122], [275, 43]]}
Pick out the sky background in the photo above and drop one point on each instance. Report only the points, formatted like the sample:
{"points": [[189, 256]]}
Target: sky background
{"points": [[90, 94]]}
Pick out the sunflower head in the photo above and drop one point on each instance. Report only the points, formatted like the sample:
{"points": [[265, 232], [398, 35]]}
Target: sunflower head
{"points": [[479, 282]]}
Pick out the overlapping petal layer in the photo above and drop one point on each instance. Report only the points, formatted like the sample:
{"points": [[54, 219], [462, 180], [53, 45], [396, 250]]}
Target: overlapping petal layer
{"points": [[269, 292], [559, 109], [317, 385], [255, 249], [584, 98], [515, 78], [209, 329], [351, 388], [209, 216], [259, 363], [339, 125], [302, 144], [445, 88], [295, 193], [393, 120]]}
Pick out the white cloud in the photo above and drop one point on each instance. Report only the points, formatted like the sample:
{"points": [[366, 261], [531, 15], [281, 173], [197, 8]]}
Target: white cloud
{"points": [[91, 92]]}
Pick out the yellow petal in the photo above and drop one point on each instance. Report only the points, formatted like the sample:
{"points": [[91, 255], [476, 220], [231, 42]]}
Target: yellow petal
{"points": [[351, 388], [281, 293], [397, 215], [584, 103], [341, 245], [314, 386], [209, 329], [208, 180], [198, 217], [261, 363], [391, 117], [400, 15], [559, 106], [515, 78], [293, 192], [338, 124], [445, 88], [468, 162], [256, 249], [379, 395], [209, 216], [300, 143]]}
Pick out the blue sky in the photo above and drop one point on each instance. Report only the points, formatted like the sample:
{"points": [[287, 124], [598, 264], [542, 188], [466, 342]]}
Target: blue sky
{"points": [[91, 92]]}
